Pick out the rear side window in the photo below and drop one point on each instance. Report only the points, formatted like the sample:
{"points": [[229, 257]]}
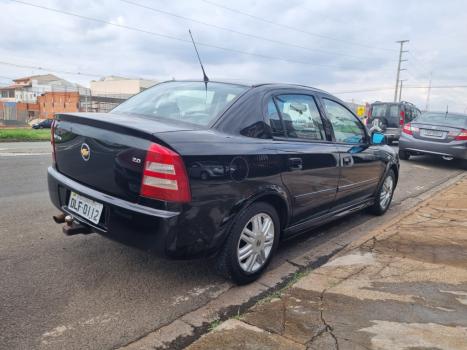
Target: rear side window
{"points": [[347, 128], [300, 117], [275, 121]]}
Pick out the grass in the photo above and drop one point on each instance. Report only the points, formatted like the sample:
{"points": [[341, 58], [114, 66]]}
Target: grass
{"points": [[278, 293], [214, 324], [24, 134]]}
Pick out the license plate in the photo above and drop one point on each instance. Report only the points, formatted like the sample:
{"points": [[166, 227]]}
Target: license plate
{"points": [[85, 207], [434, 133]]}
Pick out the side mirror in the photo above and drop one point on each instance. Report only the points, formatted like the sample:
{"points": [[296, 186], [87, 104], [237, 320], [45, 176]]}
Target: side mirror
{"points": [[377, 138]]}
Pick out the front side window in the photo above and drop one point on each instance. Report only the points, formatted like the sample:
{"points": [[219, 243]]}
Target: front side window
{"points": [[300, 117], [347, 128], [191, 102]]}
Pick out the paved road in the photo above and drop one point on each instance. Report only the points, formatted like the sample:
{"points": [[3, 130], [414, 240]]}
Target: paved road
{"points": [[78, 292]]}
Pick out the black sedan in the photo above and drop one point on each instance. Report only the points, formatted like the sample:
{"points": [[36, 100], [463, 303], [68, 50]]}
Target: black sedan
{"points": [[189, 169], [44, 124]]}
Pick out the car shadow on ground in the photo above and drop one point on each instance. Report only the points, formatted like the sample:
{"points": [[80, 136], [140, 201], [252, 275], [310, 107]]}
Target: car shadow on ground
{"points": [[438, 162]]}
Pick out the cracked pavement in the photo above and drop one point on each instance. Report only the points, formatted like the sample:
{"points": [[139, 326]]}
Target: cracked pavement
{"points": [[402, 286]]}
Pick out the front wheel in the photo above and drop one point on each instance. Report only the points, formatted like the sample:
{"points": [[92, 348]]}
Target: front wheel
{"points": [[250, 245], [383, 197]]}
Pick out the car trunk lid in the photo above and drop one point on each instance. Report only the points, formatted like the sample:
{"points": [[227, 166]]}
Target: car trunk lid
{"points": [[107, 152], [435, 133]]}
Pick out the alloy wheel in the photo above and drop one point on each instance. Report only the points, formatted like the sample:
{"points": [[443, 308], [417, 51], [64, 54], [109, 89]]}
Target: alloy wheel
{"points": [[386, 192], [255, 243]]}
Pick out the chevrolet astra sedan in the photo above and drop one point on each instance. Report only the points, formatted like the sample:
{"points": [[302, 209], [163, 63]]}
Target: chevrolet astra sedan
{"points": [[189, 169], [437, 134]]}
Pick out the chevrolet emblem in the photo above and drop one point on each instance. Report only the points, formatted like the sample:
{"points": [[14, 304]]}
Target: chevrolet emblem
{"points": [[85, 152]]}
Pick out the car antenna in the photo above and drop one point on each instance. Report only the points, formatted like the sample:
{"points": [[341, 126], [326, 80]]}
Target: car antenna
{"points": [[205, 77], [447, 109]]}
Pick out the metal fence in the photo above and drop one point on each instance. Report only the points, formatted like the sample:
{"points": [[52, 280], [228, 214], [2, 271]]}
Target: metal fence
{"points": [[101, 103], [10, 115]]}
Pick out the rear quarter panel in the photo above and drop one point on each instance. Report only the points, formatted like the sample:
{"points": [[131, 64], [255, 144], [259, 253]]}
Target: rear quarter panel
{"points": [[226, 173]]}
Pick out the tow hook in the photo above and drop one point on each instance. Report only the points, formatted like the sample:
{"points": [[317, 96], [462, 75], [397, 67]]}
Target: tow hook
{"points": [[72, 227]]}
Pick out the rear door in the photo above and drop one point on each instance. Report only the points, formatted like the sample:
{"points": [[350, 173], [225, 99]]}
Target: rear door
{"points": [[309, 157], [361, 167]]}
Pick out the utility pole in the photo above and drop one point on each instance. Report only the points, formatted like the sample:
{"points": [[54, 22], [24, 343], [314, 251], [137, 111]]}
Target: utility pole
{"points": [[427, 107], [400, 88], [401, 51]]}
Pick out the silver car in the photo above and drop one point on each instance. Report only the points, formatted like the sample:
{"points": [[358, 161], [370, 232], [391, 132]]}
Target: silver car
{"points": [[439, 134]]}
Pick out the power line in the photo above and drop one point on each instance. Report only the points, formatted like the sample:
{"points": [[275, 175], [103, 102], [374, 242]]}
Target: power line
{"points": [[258, 18], [166, 36], [254, 36], [49, 69]]}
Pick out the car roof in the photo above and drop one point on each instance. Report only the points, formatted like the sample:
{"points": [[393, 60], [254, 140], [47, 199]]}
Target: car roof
{"points": [[443, 113], [256, 85]]}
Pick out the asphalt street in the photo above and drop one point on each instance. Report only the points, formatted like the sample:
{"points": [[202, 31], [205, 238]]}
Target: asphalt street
{"points": [[78, 292]]}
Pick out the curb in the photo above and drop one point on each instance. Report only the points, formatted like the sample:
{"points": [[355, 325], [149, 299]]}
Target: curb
{"points": [[191, 326]]}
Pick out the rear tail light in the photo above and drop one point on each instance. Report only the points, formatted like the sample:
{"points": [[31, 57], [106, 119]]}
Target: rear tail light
{"points": [[402, 116], [52, 142], [462, 136], [409, 129], [164, 176]]}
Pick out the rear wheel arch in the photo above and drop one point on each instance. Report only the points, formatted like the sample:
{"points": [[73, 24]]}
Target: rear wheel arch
{"points": [[276, 197], [395, 169], [280, 204]]}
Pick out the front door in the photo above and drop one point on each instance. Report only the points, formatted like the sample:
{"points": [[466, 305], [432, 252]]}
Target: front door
{"points": [[360, 166], [309, 158]]}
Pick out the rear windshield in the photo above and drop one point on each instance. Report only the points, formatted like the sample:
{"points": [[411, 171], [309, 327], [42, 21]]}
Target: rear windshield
{"points": [[190, 102], [385, 110], [455, 120]]}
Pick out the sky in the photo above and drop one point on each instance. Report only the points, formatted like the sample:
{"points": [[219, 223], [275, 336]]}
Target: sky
{"points": [[345, 47]]}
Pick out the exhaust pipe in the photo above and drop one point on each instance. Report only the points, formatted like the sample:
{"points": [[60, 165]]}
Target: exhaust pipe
{"points": [[59, 219], [448, 158]]}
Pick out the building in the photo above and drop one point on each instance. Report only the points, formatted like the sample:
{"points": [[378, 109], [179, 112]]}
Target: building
{"points": [[27, 89], [38, 96], [114, 86], [57, 102]]}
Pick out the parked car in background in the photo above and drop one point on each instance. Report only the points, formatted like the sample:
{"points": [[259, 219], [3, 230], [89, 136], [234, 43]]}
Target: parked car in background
{"points": [[391, 117], [439, 134], [44, 124], [190, 169]]}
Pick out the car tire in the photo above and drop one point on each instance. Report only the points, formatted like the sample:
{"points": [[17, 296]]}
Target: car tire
{"points": [[240, 269], [384, 195], [404, 155]]}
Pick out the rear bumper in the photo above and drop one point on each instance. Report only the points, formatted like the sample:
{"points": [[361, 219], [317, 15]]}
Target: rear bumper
{"points": [[455, 149], [160, 231]]}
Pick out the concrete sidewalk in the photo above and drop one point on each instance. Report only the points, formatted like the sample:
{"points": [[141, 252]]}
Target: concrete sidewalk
{"points": [[403, 286]]}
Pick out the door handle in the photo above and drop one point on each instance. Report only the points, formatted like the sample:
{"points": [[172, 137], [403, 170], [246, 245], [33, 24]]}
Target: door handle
{"points": [[347, 161], [295, 164]]}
